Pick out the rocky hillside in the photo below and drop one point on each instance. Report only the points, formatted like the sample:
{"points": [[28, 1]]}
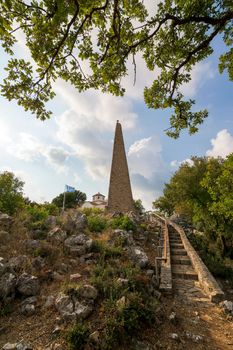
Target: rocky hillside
{"points": [[77, 282]]}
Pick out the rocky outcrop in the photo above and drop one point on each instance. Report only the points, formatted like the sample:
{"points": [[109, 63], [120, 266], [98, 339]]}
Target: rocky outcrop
{"points": [[74, 223], [72, 309], [57, 235], [28, 285], [7, 286], [139, 257], [77, 245]]}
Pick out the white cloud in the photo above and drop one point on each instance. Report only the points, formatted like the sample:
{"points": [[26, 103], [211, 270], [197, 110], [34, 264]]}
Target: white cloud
{"points": [[222, 145], [29, 149], [199, 75], [147, 169], [175, 163], [85, 125]]}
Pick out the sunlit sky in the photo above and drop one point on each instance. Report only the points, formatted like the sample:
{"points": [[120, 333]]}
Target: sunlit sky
{"points": [[74, 147]]}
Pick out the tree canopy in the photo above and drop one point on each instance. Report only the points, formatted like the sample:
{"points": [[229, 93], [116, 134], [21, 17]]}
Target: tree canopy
{"points": [[11, 193], [72, 199], [65, 36], [202, 192]]}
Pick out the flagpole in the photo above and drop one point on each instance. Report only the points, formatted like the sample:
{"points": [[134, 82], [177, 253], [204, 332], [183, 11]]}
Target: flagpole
{"points": [[64, 200]]}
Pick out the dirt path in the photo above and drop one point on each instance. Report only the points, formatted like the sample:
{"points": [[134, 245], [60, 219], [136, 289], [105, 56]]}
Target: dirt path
{"points": [[198, 323]]}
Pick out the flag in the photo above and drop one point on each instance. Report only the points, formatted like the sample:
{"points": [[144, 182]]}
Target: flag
{"points": [[69, 189]]}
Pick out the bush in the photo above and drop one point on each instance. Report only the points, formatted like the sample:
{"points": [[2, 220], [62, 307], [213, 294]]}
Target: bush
{"points": [[37, 212], [77, 336], [96, 223], [91, 211], [47, 251], [106, 250], [123, 223]]}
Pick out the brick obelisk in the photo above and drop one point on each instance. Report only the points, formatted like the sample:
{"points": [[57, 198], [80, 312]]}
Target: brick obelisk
{"points": [[120, 197]]}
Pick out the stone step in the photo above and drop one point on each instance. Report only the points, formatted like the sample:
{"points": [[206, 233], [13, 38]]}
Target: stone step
{"points": [[175, 239], [180, 260], [185, 272], [178, 252], [176, 246]]}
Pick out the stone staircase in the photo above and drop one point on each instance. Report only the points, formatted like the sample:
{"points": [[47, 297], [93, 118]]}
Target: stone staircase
{"points": [[180, 262]]}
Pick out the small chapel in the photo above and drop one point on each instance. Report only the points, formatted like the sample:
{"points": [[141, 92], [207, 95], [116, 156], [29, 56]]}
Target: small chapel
{"points": [[98, 201]]}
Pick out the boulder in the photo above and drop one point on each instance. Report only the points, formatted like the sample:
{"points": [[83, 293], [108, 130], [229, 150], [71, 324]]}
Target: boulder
{"points": [[2, 269], [227, 306], [16, 264], [5, 221], [28, 306], [75, 277], [88, 292], [126, 237], [7, 286], [28, 285], [51, 221], [57, 235], [77, 245], [10, 346], [38, 263], [139, 257], [75, 222], [32, 244], [4, 237], [71, 309], [49, 302]]}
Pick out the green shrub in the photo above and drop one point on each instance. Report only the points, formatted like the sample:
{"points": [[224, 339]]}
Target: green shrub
{"points": [[123, 223], [6, 309], [106, 250], [96, 223], [37, 212], [77, 336], [92, 211]]}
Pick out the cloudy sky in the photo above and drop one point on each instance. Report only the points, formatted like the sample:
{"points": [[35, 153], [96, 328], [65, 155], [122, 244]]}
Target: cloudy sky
{"points": [[74, 147]]}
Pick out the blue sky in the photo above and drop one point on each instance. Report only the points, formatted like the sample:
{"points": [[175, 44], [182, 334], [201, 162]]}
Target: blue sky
{"points": [[74, 147]]}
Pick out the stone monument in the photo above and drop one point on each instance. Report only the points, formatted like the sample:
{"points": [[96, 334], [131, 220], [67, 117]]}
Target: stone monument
{"points": [[120, 195]]}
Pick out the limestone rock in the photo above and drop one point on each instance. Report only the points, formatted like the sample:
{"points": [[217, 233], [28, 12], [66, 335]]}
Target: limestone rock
{"points": [[2, 269], [78, 244], [57, 235], [10, 346], [17, 263], [139, 257], [5, 221], [49, 302], [51, 221], [28, 285], [121, 303], [28, 306], [70, 309], [174, 336], [4, 237], [227, 306], [32, 244], [172, 318], [122, 281], [38, 263], [88, 292], [75, 223], [75, 277], [7, 286]]}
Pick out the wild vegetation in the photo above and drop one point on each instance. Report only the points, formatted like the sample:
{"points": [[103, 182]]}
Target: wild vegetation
{"points": [[201, 192], [106, 35]]}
